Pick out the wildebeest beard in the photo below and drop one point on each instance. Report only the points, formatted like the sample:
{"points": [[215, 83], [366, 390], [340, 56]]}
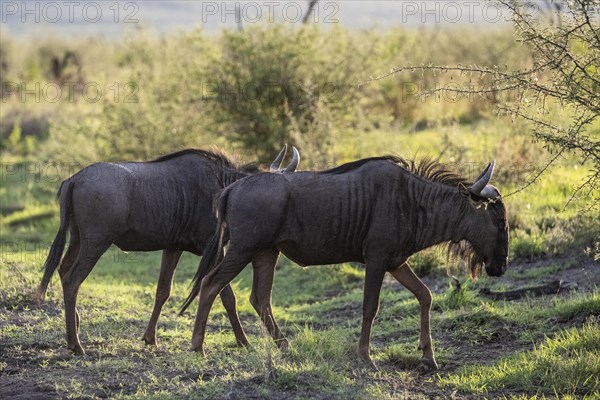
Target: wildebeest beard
{"points": [[463, 251]]}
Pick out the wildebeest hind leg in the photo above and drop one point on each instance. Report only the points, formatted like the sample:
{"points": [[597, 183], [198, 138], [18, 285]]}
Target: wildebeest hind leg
{"points": [[169, 261], [233, 263], [262, 287], [89, 253], [67, 262], [229, 302], [405, 275]]}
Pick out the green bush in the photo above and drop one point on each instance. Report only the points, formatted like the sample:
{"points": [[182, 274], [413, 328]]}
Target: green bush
{"points": [[526, 246], [270, 85], [426, 261], [153, 107], [30, 214], [580, 232]]}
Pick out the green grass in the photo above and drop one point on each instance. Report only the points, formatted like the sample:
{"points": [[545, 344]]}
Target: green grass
{"points": [[113, 316], [31, 214], [566, 365], [319, 309]]}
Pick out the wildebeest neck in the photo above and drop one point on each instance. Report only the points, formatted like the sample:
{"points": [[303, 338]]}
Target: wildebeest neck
{"points": [[435, 213]]}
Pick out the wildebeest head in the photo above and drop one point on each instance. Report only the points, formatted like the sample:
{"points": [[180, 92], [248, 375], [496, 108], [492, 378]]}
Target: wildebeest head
{"points": [[487, 233]]}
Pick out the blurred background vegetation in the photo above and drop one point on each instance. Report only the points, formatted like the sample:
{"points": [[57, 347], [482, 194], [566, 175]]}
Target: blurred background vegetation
{"points": [[70, 102]]}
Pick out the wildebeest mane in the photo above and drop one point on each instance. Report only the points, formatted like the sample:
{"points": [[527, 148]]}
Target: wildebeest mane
{"points": [[426, 168], [216, 157], [433, 171], [354, 165]]}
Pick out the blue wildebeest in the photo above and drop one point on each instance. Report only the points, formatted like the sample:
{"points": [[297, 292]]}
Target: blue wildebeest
{"points": [[377, 211], [164, 204]]}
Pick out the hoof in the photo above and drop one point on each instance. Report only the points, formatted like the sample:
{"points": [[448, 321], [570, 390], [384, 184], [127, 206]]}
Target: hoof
{"points": [[247, 346], [430, 363], [77, 350], [371, 365], [39, 299], [198, 350], [150, 341], [282, 344], [368, 362]]}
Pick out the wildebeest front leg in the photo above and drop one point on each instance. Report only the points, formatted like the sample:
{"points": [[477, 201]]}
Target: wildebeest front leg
{"points": [[169, 261], [405, 275], [211, 286], [373, 280], [262, 287]]}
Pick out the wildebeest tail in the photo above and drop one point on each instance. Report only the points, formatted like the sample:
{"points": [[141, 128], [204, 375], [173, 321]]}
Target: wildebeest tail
{"points": [[213, 253], [65, 196]]}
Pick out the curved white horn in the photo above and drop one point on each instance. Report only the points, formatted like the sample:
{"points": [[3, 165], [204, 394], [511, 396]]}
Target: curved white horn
{"points": [[490, 192], [277, 162], [295, 161], [483, 179]]}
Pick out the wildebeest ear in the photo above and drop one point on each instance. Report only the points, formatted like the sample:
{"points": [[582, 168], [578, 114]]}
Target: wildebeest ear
{"points": [[474, 200], [464, 191]]}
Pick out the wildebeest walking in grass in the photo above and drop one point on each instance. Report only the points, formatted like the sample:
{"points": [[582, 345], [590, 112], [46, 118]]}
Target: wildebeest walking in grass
{"points": [[377, 211], [165, 204]]}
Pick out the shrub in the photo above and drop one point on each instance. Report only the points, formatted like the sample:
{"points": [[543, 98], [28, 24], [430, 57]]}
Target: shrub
{"points": [[526, 246], [426, 261], [156, 110], [275, 84], [579, 233]]}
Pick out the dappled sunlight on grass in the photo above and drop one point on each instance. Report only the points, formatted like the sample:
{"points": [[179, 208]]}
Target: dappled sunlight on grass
{"points": [[568, 364]]}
